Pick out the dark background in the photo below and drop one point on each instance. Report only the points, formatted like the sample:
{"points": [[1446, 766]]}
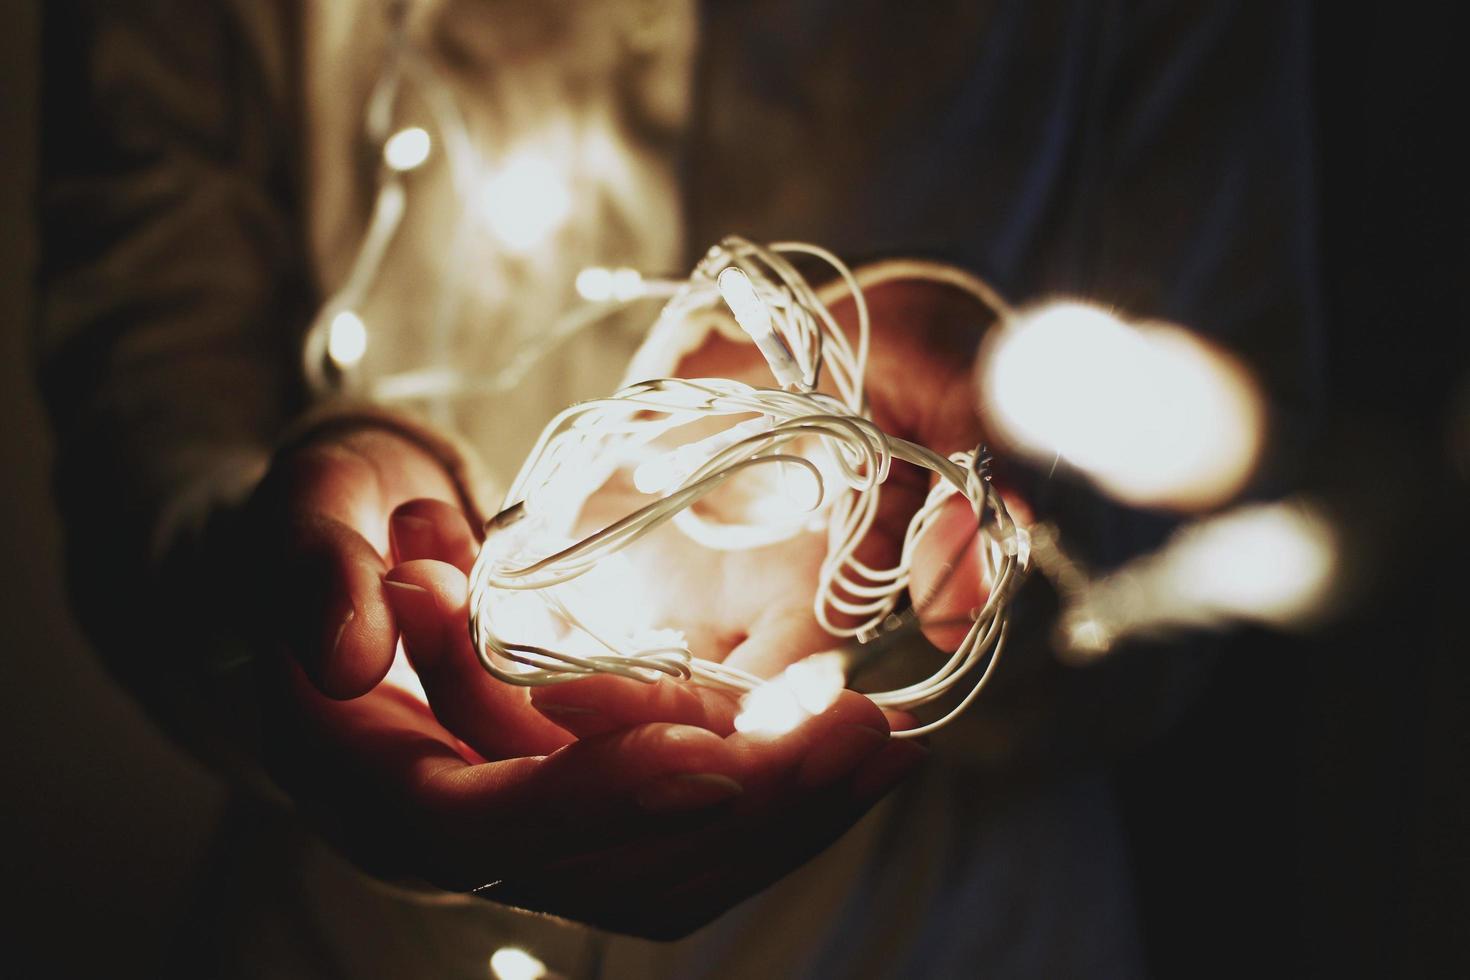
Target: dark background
{"points": [[105, 820], [1307, 817]]}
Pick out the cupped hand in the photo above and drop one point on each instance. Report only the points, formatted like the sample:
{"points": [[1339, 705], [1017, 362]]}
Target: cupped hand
{"points": [[650, 828], [753, 608]]}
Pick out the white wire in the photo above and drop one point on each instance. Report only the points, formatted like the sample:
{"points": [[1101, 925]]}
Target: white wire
{"points": [[847, 456], [588, 442]]}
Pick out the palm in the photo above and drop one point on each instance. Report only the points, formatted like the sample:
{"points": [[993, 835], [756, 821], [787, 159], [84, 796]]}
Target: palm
{"points": [[482, 784], [754, 608]]}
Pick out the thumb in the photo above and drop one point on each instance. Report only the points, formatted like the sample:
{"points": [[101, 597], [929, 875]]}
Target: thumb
{"points": [[493, 718]]}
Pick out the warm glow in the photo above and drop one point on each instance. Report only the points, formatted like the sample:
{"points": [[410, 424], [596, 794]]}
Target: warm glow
{"points": [[1087, 636], [596, 284], [1154, 416], [667, 470], [806, 688], [513, 963], [1273, 563], [346, 339], [750, 312], [402, 676], [525, 201], [407, 148], [627, 284], [755, 319], [611, 601]]}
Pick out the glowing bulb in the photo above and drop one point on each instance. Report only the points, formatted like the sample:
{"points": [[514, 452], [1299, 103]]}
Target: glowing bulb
{"points": [[1152, 415], [346, 339], [513, 963], [1088, 636], [1272, 563], [1267, 563], [524, 202], [595, 284], [407, 148], [627, 284], [806, 688], [755, 319]]}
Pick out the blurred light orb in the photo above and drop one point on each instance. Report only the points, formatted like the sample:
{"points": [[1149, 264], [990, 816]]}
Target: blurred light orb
{"points": [[524, 202], [346, 339], [407, 149], [1086, 635], [626, 284], [1270, 563], [1152, 415], [514, 963], [806, 688], [595, 284]]}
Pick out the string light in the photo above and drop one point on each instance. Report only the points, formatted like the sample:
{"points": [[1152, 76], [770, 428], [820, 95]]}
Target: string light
{"points": [[1149, 413], [595, 284], [1154, 416], [1273, 564], [347, 341], [755, 320], [536, 619], [524, 202], [407, 149], [520, 201]]}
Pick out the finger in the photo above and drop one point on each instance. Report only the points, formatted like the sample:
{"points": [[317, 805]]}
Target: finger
{"points": [[657, 767], [493, 718], [946, 579], [779, 638], [391, 775], [340, 628], [921, 327], [820, 751], [605, 703], [429, 528], [899, 721], [592, 793]]}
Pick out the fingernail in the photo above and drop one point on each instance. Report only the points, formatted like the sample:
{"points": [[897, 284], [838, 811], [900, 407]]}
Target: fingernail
{"points": [[408, 588], [403, 596], [687, 791], [412, 537], [839, 753], [887, 768]]}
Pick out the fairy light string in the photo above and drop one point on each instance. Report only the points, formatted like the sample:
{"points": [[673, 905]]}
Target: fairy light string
{"points": [[532, 619]]}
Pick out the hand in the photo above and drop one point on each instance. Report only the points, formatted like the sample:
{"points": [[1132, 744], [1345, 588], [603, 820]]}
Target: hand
{"points": [[647, 828], [753, 608], [651, 828]]}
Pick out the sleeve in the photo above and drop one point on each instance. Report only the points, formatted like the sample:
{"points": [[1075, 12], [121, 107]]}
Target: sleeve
{"points": [[172, 286]]}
